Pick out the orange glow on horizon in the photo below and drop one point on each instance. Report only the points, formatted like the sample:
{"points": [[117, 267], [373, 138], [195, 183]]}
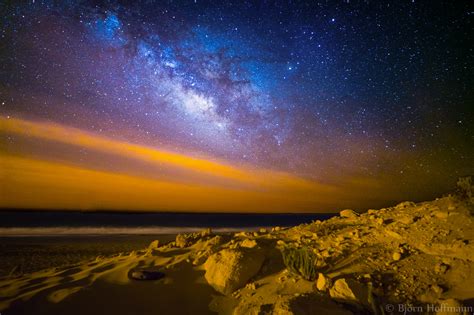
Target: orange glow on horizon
{"points": [[33, 181]]}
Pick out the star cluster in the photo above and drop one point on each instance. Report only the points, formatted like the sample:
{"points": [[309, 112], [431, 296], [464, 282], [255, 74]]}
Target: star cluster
{"points": [[323, 90]]}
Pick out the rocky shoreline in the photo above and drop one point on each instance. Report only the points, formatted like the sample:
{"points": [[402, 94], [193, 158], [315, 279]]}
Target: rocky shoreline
{"points": [[409, 256]]}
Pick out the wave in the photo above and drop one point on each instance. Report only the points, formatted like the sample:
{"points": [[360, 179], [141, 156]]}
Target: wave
{"points": [[107, 230]]}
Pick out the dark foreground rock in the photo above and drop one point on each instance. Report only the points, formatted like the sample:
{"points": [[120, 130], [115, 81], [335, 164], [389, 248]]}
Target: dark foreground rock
{"points": [[146, 274]]}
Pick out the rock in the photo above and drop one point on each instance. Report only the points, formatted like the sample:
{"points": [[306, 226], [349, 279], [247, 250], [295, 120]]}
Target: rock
{"points": [[251, 286], [379, 221], [349, 291], [449, 307], [323, 283], [396, 256], [277, 228], [206, 232], [405, 204], [230, 269], [263, 230], [248, 243], [241, 234], [441, 268], [437, 289], [407, 220], [393, 234], [440, 214], [182, 240], [154, 245], [348, 213], [145, 274]]}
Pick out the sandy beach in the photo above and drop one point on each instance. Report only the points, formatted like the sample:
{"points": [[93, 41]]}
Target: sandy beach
{"points": [[20, 255]]}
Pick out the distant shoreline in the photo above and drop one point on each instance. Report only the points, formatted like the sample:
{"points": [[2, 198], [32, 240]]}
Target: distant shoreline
{"points": [[109, 231], [114, 211], [176, 221]]}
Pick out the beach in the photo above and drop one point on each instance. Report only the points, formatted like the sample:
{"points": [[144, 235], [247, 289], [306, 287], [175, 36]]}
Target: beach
{"points": [[22, 255], [412, 256]]}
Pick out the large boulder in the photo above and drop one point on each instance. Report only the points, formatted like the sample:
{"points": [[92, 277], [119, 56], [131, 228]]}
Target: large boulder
{"points": [[230, 269]]}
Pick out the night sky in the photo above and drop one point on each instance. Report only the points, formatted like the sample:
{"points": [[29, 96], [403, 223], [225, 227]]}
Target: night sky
{"points": [[281, 106]]}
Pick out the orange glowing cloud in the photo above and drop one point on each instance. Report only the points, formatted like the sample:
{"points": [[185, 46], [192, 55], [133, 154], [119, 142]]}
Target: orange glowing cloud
{"points": [[190, 184]]}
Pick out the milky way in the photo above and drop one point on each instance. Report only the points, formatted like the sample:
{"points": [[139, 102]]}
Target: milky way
{"points": [[331, 92]]}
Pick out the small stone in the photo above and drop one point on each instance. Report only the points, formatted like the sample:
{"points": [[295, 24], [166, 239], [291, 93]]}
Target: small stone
{"points": [[277, 228], [379, 221], [154, 245], [441, 268], [248, 243], [396, 256], [437, 289], [206, 232], [440, 214], [405, 204], [263, 230], [251, 286], [406, 220], [145, 274], [323, 283], [348, 213], [393, 234], [182, 240]]}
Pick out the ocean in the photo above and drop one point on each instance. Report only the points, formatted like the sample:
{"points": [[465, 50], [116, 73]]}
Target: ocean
{"points": [[67, 223]]}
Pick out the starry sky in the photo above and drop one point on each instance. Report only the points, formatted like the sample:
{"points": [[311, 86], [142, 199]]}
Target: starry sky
{"points": [[243, 106]]}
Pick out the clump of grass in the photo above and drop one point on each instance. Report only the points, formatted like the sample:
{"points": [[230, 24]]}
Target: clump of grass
{"points": [[465, 188], [300, 260]]}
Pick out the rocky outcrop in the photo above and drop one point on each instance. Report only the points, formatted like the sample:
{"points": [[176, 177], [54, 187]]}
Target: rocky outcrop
{"points": [[230, 269]]}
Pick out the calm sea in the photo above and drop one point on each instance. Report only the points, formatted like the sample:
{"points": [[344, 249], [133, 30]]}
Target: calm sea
{"points": [[62, 223]]}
